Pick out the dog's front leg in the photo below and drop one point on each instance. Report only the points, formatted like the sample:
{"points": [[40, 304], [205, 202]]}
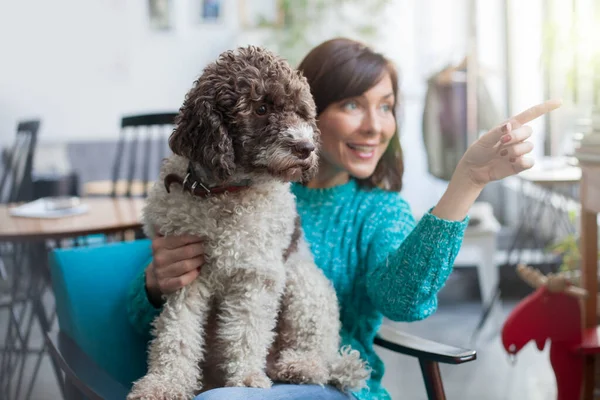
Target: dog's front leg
{"points": [[307, 346], [308, 326], [247, 316], [178, 347]]}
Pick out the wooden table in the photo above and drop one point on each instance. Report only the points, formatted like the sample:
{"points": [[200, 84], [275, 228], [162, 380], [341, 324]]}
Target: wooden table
{"points": [[105, 215], [30, 239]]}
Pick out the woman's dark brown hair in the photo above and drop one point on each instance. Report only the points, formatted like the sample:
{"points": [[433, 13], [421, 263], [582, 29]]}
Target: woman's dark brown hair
{"points": [[342, 68]]}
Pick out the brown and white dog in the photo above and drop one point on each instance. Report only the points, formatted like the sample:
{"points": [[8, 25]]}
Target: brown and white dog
{"points": [[261, 309]]}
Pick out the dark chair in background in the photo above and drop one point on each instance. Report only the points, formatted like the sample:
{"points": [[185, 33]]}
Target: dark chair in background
{"points": [[16, 184], [52, 184], [99, 352], [142, 145]]}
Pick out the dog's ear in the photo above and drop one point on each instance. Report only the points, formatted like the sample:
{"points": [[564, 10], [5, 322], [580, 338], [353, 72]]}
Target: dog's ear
{"points": [[200, 133]]}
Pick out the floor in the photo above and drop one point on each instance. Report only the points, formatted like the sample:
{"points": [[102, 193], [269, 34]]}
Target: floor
{"points": [[491, 377]]}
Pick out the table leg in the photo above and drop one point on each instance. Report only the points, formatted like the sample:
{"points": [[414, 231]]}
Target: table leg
{"points": [[13, 333]]}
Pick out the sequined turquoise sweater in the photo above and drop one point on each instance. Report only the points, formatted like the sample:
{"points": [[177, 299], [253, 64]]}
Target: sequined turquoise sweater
{"points": [[381, 262]]}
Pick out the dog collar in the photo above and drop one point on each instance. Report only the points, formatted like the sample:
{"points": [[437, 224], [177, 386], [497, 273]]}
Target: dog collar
{"points": [[195, 187]]}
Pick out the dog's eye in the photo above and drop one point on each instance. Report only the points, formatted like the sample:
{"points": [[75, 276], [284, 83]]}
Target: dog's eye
{"points": [[262, 110]]}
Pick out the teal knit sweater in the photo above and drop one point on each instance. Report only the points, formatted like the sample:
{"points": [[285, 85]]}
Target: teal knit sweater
{"points": [[380, 262]]}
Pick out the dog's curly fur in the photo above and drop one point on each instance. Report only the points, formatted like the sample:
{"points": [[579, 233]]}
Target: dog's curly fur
{"points": [[250, 317]]}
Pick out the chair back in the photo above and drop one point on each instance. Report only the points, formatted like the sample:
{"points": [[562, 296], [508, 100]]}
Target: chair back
{"points": [[141, 147], [16, 182], [91, 287]]}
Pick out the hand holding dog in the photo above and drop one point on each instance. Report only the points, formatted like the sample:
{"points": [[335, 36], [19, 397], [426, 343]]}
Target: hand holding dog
{"points": [[176, 262]]}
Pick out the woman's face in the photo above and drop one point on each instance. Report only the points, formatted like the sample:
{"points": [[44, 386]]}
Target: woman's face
{"points": [[355, 133]]}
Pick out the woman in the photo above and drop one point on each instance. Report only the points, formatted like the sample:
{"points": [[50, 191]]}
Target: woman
{"points": [[360, 229]]}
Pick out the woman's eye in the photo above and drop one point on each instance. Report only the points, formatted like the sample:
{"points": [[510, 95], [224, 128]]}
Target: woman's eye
{"points": [[262, 110], [350, 105], [386, 108]]}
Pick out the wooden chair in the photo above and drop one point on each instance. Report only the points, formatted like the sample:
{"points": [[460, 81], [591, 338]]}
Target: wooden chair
{"points": [[140, 148], [101, 355], [16, 183]]}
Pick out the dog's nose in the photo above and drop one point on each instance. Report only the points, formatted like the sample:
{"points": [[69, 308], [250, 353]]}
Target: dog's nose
{"points": [[303, 149]]}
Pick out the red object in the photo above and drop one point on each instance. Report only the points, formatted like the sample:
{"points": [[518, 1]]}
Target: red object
{"points": [[554, 316]]}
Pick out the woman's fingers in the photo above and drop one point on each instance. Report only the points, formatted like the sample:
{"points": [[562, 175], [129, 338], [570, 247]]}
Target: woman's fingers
{"points": [[499, 133], [174, 242], [517, 135], [176, 261], [522, 163], [534, 112], [516, 150], [492, 137], [170, 285], [165, 256], [181, 267]]}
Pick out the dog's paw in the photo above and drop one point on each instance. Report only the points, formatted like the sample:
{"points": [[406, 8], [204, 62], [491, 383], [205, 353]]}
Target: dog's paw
{"points": [[151, 388], [256, 379], [300, 367]]}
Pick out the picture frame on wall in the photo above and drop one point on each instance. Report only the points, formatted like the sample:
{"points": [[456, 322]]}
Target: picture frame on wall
{"points": [[211, 11], [160, 14]]}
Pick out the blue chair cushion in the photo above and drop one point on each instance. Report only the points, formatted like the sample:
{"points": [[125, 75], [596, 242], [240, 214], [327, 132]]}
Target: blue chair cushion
{"points": [[91, 286]]}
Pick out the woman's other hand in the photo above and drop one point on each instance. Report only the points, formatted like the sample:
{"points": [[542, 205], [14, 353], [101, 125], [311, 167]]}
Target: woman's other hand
{"points": [[504, 150], [176, 262], [499, 153]]}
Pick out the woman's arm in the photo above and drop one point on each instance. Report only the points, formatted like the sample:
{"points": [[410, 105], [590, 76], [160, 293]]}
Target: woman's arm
{"points": [[458, 198], [140, 310], [501, 152], [407, 265]]}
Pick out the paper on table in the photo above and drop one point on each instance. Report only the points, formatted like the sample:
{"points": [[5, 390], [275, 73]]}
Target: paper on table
{"points": [[38, 209]]}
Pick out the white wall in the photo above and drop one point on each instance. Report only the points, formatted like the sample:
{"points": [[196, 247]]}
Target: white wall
{"points": [[80, 65], [525, 32]]}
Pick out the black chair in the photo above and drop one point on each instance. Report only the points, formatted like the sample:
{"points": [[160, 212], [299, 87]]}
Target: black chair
{"points": [[141, 147], [429, 353], [16, 184]]}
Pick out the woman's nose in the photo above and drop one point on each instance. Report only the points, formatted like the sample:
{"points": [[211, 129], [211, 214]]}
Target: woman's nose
{"points": [[371, 123]]}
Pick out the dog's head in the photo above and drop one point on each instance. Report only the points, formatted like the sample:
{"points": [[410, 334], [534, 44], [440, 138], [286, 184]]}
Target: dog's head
{"points": [[249, 112]]}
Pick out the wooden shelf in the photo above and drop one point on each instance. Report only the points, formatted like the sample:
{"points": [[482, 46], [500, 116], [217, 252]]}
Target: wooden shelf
{"points": [[590, 208]]}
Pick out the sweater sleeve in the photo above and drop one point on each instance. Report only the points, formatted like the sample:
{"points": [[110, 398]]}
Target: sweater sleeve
{"points": [[139, 309], [408, 263]]}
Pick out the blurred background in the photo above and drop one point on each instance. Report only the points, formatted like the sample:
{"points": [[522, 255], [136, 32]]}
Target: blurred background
{"points": [[81, 68]]}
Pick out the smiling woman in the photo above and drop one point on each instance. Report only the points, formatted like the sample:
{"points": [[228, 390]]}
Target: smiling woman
{"points": [[355, 90], [360, 130]]}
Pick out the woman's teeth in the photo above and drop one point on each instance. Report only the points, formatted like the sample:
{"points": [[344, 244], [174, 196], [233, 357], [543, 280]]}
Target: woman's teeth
{"points": [[365, 149], [364, 152]]}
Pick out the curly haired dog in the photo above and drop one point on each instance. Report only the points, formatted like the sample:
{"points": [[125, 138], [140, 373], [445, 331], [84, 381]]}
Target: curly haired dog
{"points": [[260, 310]]}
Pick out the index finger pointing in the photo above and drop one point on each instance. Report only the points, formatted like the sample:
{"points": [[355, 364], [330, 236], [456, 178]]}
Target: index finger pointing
{"points": [[534, 112]]}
